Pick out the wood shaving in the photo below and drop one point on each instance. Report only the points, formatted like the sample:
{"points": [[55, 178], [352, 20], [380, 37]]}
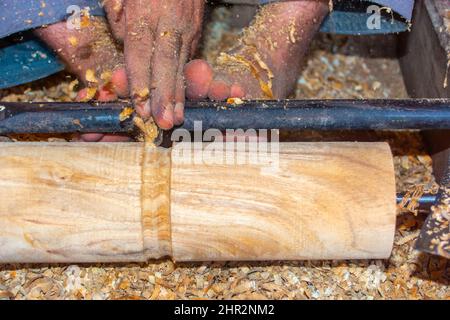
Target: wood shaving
{"points": [[227, 60], [126, 113], [90, 94], [445, 84], [411, 199], [148, 128], [73, 84], [144, 93], [85, 20], [292, 31], [73, 41], [235, 101], [106, 76], [90, 76]]}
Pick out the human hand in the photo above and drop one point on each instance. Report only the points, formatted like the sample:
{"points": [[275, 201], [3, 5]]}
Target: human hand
{"points": [[159, 37]]}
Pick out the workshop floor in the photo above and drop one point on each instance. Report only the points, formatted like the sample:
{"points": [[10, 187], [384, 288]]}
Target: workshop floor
{"points": [[338, 67]]}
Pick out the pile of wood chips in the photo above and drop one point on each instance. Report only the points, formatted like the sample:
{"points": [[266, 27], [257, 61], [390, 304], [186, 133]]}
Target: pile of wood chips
{"points": [[332, 71]]}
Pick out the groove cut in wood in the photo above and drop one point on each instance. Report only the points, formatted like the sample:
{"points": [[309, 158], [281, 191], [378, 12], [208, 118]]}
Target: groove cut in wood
{"points": [[122, 202]]}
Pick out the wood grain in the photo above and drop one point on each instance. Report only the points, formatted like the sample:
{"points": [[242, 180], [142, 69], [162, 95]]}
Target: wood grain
{"points": [[70, 202], [155, 202], [327, 201], [77, 202]]}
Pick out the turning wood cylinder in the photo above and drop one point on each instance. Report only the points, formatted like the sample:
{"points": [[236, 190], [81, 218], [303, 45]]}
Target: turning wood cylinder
{"points": [[123, 202]]}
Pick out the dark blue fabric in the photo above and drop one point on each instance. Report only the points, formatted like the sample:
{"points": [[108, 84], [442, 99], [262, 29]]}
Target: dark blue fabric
{"points": [[351, 17], [29, 59], [24, 60], [22, 15]]}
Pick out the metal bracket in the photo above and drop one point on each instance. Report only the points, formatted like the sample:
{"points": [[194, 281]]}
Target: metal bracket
{"points": [[435, 235]]}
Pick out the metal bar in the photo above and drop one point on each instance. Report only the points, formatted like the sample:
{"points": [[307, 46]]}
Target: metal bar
{"points": [[63, 118], [425, 202], [57, 117]]}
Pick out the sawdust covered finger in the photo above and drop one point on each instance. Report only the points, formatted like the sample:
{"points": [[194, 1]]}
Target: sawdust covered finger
{"points": [[115, 12], [180, 85], [164, 76], [138, 49], [158, 41]]}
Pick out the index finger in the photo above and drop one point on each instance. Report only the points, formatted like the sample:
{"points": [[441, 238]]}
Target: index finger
{"points": [[138, 49], [164, 77]]}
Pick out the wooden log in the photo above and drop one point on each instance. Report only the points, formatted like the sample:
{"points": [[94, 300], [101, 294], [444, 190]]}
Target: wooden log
{"points": [[80, 202]]}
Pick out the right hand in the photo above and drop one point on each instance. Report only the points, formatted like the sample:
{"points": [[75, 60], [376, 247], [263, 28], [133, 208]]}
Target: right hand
{"points": [[159, 37]]}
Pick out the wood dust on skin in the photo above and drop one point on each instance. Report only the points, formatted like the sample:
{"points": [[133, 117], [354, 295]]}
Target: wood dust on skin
{"points": [[98, 44], [247, 58], [90, 50], [406, 275], [260, 50], [228, 62]]}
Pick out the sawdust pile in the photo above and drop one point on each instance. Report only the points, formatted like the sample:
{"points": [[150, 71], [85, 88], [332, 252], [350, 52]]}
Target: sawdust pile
{"points": [[331, 72]]}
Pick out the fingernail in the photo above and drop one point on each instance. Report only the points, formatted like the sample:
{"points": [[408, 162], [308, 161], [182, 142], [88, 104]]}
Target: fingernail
{"points": [[143, 110], [179, 106], [164, 117], [167, 117], [179, 113]]}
